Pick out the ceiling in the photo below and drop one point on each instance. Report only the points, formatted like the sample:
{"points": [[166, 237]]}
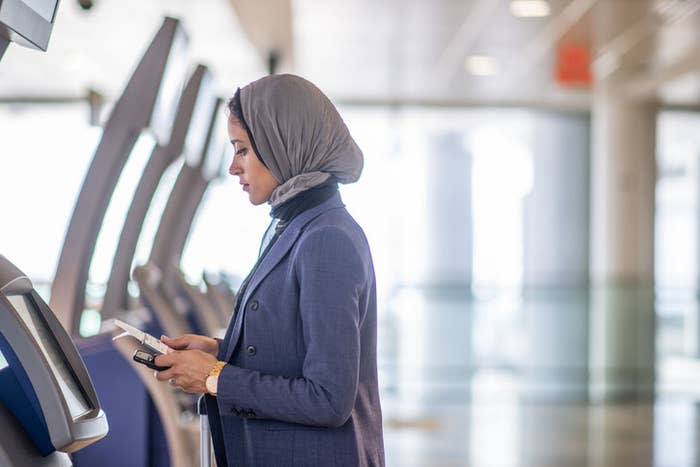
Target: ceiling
{"points": [[99, 48], [377, 52]]}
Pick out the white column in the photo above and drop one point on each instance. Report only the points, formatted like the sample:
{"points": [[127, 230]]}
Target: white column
{"points": [[433, 322], [623, 434], [623, 179], [449, 258], [691, 322], [556, 260]]}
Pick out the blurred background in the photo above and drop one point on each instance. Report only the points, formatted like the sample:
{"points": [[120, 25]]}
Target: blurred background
{"points": [[530, 195]]}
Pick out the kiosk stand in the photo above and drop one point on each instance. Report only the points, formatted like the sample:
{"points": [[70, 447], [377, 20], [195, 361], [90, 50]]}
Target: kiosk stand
{"points": [[48, 404]]}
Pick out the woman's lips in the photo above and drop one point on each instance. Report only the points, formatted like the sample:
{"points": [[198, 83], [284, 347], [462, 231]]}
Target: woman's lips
{"points": [[245, 187]]}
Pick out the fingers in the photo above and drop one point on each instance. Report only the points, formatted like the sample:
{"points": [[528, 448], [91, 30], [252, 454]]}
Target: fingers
{"points": [[168, 359], [182, 381], [167, 341], [164, 375], [177, 343], [187, 370]]}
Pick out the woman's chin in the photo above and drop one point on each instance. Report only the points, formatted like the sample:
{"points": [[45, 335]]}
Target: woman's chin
{"points": [[255, 201]]}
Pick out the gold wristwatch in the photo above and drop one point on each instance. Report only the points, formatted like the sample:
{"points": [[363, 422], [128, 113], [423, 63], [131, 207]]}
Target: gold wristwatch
{"points": [[212, 380]]}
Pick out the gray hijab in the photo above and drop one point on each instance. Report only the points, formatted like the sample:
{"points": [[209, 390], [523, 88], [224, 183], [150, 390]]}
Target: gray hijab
{"points": [[299, 135]]}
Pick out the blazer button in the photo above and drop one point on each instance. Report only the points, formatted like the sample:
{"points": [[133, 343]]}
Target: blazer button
{"points": [[251, 350], [254, 305]]}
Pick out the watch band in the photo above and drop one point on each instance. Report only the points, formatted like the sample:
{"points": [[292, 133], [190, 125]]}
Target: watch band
{"points": [[216, 369]]}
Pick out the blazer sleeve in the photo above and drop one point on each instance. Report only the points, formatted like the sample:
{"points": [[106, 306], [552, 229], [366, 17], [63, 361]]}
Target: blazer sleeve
{"points": [[332, 273], [220, 351]]}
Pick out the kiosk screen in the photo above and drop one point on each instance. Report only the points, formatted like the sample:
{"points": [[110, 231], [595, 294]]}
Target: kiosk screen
{"points": [[72, 393]]}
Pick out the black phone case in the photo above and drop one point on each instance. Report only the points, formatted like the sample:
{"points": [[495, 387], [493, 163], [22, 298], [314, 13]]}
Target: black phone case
{"points": [[149, 363]]}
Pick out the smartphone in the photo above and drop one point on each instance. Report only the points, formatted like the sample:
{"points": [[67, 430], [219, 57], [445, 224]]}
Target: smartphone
{"points": [[148, 359]]}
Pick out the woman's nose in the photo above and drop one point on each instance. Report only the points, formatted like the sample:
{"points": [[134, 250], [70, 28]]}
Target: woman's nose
{"points": [[233, 168]]}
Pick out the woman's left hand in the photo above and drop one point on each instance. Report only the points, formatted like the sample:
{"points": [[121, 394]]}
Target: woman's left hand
{"points": [[188, 369]]}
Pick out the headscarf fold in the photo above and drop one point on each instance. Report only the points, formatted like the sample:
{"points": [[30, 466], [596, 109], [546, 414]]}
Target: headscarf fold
{"points": [[299, 135]]}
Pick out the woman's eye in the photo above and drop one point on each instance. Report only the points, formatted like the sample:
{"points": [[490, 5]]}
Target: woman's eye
{"points": [[242, 152]]}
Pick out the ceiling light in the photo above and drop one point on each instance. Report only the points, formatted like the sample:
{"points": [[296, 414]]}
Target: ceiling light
{"points": [[481, 65], [530, 8]]}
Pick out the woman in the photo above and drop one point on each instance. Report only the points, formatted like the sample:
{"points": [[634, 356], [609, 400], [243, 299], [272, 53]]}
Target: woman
{"points": [[294, 381]]}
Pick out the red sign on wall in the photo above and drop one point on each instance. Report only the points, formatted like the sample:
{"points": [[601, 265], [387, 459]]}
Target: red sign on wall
{"points": [[573, 67]]}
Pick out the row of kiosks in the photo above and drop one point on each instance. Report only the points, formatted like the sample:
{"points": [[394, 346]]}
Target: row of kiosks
{"points": [[156, 425], [49, 407], [186, 124], [48, 404], [38, 428]]}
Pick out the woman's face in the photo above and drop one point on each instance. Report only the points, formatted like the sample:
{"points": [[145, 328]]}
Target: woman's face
{"points": [[252, 174]]}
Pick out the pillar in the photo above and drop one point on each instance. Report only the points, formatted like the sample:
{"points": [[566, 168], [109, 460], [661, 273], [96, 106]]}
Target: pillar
{"points": [[555, 259], [623, 179]]}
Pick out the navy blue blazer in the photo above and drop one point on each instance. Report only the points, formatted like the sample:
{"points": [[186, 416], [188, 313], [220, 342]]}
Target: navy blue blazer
{"points": [[301, 387]]}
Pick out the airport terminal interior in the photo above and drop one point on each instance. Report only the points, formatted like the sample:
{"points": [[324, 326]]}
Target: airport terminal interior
{"points": [[530, 194]]}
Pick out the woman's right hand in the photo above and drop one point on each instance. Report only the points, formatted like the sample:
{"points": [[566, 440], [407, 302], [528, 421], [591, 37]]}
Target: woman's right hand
{"points": [[192, 341]]}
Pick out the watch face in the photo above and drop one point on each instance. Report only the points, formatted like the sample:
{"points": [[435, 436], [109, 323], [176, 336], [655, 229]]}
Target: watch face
{"points": [[210, 384]]}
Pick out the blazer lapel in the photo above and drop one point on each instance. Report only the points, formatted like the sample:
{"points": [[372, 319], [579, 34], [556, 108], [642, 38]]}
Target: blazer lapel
{"points": [[273, 257]]}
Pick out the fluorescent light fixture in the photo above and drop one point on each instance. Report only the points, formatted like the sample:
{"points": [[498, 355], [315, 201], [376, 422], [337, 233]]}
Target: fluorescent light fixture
{"points": [[530, 8], [481, 65]]}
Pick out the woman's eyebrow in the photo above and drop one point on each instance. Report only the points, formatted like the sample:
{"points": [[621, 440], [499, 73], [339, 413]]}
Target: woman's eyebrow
{"points": [[234, 141]]}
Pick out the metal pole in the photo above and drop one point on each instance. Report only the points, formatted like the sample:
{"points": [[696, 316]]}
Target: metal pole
{"points": [[204, 435]]}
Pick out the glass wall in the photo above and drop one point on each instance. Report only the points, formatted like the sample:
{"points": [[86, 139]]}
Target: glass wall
{"points": [[111, 229], [478, 223], [480, 215], [45, 151], [677, 252]]}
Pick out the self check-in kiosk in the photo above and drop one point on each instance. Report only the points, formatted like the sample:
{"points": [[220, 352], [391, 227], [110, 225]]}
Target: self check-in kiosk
{"points": [[48, 404]]}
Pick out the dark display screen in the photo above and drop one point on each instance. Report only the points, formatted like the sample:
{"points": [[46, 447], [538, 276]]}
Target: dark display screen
{"points": [[67, 381]]}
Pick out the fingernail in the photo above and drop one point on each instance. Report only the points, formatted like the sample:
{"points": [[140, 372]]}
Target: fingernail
{"points": [[155, 374]]}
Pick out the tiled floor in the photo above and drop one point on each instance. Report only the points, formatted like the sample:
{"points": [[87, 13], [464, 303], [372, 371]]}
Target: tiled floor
{"points": [[441, 410], [510, 433]]}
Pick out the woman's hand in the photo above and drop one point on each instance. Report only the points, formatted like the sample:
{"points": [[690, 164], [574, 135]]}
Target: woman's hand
{"points": [[188, 369], [191, 342]]}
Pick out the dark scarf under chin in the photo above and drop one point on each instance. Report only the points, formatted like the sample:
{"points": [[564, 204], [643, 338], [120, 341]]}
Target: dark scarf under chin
{"points": [[283, 214], [307, 199]]}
